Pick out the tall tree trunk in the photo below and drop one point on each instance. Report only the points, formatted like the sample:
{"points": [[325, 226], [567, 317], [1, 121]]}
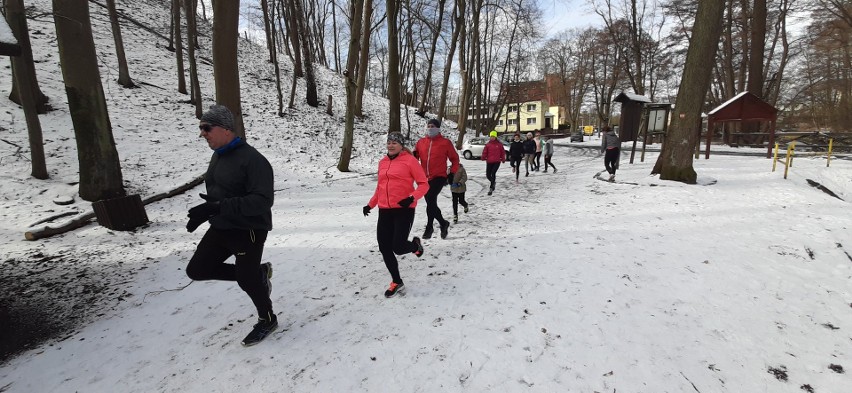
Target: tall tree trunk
{"points": [[758, 45], [267, 29], [179, 49], [192, 37], [310, 81], [357, 11], [427, 85], [393, 66], [334, 36], [458, 18], [675, 160], [171, 47], [364, 60], [22, 34], [123, 71], [225, 71], [100, 167], [274, 48], [295, 38], [25, 76]]}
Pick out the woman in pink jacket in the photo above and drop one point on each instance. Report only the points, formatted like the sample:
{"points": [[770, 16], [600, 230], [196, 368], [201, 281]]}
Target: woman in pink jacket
{"points": [[493, 154], [396, 198]]}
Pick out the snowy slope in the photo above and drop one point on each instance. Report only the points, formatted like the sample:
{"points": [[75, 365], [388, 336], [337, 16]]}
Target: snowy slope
{"points": [[561, 282]]}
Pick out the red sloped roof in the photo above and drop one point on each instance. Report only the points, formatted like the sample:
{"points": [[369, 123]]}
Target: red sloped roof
{"points": [[743, 106]]}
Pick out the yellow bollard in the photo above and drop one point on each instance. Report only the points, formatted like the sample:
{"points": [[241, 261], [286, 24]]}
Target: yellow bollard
{"points": [[828, 155], [789, 158], [792, 148], [775, 158]]}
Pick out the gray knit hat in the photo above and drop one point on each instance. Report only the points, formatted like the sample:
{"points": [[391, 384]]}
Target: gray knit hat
{"points": [[434, 122], [397, 137], [219, 115]]}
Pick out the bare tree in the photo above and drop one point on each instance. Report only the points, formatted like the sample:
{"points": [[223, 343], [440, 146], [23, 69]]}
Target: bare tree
{"points": [[305, 44], [179, 48], [123, 71], [393, 66], [675, 159], [100, 168], [225, 70], [25, 77], [356, 9], [191, 37], [18, 23], [363, 65]]}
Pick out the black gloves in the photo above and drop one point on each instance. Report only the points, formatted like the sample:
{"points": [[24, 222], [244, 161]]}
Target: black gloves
{"points": [[201, 213], [366, 210], [407, 201], [450, 177]]}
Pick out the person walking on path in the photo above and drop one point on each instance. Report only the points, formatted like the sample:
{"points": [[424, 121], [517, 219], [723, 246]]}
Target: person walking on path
{"points": [[396, 198], [457, 188], [516, 155], [493, 154], [238, 205], [529, 153], [433, 151], [611, 147], [548, 154], [537, 140]]}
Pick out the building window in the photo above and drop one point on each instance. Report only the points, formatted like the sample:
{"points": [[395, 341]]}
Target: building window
{"points": [[531, 120], [512, 108], [499, 122], [512, 122], [531, 107]]}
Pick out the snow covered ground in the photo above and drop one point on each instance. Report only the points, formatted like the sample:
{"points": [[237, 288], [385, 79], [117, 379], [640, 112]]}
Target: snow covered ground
{"points": [[562, 282]]}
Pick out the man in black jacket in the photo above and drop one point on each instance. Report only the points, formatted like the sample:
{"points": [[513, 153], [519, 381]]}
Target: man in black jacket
{"points": [[238, 205]]}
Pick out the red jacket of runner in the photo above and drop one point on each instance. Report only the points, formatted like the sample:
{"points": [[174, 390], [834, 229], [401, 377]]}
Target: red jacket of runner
{"points": [[433, 154]]}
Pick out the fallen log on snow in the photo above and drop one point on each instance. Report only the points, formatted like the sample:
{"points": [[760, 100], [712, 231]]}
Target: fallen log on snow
{"points": [[85, 219]]}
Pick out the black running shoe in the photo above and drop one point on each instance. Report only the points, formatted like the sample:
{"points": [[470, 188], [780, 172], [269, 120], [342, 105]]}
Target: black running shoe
{"points": [[261, 329], [490, 192], [427, 234], [444, 230], [419, 251], [393, 289], [456, 219], [266, 269], [465, 209]]}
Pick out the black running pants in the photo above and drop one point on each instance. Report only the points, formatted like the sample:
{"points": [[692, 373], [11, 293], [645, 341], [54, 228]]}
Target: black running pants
{"points": [[458, 197], [432, 211], [611, 160], [491, 173], [246, 245], [392, 231]]}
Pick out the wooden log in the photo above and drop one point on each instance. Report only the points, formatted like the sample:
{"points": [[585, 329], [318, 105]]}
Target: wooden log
{"points": [[81, 221]]}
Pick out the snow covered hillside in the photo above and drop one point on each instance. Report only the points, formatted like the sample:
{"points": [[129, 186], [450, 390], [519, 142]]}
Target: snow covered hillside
{"points": [[560, 282]]}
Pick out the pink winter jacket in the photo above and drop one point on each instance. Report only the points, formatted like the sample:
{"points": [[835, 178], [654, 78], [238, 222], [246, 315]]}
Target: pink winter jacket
{"points": [[396, 181]]}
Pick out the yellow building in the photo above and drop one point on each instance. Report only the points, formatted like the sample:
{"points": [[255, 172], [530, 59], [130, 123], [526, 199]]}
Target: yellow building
{"points": [[527, 116]]}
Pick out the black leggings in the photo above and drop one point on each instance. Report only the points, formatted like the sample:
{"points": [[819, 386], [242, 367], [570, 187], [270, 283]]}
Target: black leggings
{"points": [[611, 160], [392, 231], [491, 173], [515, 162], [432, 211], [547, 162], [246, 245], [537, 160], [458, 197]]}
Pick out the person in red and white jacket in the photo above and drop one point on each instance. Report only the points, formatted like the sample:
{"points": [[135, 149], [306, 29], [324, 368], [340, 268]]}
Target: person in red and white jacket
{"points": [[433, 151], [396, 198], [493, 154]]}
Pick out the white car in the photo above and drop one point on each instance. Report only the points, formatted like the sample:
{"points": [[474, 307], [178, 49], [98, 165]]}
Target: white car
{"points": [[472, 148]]}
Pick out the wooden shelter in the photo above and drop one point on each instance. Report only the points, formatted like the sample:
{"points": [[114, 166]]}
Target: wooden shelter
{"points": [[744, 107], [631, 115]]}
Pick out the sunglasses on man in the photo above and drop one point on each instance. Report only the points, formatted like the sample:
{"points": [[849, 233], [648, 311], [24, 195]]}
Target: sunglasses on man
{"points": [[205, 127]]}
